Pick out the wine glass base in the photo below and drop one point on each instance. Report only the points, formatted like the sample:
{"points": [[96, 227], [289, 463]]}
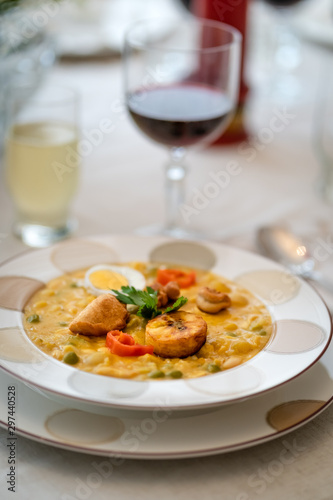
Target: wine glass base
{"points": [[39, 236], [178, 233]]}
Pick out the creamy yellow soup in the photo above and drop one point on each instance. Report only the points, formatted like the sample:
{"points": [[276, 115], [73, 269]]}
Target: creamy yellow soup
{"points": [[234, 335]]}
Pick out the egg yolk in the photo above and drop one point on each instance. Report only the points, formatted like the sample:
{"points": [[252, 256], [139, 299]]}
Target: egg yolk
{"points": [[107, 280]]}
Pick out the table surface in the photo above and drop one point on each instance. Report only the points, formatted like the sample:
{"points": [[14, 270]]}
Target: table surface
{"points": [[122, 179]]}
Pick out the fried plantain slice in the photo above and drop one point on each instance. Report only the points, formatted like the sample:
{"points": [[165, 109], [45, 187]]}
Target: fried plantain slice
{"points": [[176, 335]]}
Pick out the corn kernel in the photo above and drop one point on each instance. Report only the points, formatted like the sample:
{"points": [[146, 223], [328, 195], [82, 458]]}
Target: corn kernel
{"points": [[242, 347], [67, 348], [40, 304], [56, 307], [230, 327]]}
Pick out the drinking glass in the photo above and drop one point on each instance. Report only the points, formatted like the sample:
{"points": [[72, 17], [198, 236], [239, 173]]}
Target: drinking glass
{"points": [[323, 131], [281, 4], [181, 88], [287, 55], [42, 162]]}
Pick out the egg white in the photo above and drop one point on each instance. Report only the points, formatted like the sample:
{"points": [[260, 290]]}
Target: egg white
{"points": [[134, 278]]}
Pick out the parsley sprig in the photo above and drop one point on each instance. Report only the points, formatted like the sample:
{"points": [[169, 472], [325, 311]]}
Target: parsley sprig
{"points": [[146, 300]]}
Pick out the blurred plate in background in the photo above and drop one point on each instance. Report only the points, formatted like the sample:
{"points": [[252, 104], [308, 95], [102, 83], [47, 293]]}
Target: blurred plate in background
{"points": [[96, 28]]}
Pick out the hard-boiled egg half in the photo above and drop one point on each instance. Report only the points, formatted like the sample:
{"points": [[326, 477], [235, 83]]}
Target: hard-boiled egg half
{"points": [[102, 279]]}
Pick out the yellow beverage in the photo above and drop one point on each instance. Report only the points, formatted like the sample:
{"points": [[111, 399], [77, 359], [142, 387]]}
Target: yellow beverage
{"points": [[42, 171]]}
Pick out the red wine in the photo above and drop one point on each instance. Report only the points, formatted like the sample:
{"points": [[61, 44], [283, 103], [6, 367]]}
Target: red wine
{"points": [[180, 115], [282, 3]]}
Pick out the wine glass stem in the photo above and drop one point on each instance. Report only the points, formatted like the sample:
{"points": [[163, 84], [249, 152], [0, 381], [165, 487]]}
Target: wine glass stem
{"points": [[175, 188]]}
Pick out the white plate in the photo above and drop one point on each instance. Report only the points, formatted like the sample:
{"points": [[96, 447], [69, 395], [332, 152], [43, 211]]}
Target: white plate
{"points": [[302, 326], [165, 434]]}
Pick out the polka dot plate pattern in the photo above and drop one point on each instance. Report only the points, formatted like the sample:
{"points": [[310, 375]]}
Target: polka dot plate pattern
{"points": [[302, 326], [162, 433]]}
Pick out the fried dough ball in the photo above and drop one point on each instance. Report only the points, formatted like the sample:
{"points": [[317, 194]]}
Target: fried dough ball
{"points": [[172, 290], [162, 298]]}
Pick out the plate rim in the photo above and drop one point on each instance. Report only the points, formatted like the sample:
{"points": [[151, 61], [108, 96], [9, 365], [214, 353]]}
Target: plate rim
{"points": [[91, 450]]}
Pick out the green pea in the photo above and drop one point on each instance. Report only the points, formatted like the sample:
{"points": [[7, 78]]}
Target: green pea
{"points": [[256, 328], [176, 374], [262, 333], [74, 285], [71, 358], [157, 374], [34, 318], [63, 323], [213, 368]]}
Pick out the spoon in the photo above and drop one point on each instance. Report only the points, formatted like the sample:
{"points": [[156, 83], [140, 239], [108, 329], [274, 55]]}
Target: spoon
{"points": [[286, 248]]}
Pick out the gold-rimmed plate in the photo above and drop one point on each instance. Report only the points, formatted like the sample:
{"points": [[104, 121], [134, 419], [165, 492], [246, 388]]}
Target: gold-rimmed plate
{"points": [[301, 322], [166, 434]]}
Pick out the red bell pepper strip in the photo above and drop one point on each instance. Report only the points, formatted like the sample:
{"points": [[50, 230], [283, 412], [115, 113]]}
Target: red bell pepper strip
{"points": [[122, 344], [184, 280]]}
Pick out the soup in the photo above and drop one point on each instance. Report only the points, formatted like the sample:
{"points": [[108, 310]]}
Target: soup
{"points": [[234, 335]]}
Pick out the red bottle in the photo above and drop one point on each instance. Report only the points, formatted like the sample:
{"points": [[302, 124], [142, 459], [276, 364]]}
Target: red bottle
{"points": [[234, 13]]}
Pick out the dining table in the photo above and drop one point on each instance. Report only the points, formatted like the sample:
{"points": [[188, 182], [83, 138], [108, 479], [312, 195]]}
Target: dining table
{"points": [[121, 190]]}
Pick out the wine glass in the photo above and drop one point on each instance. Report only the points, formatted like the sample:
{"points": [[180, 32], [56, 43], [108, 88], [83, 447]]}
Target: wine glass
{"points": [[181, 86], [282, 3], [287, 55]]}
